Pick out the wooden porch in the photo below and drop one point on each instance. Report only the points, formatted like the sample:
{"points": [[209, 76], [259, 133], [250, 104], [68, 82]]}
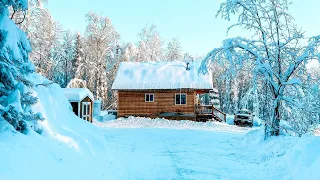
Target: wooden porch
{"points": [[209, 112], [202, 113]]}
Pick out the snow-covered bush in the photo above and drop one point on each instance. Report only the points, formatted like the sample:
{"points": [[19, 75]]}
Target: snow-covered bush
{"points": [[15, 95]]}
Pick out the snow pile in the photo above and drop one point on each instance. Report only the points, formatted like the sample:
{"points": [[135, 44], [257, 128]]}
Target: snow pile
{"points": [[230, 119], [77, 94], [104, 116], [304, 159], [253, 137], [142, 122], [284, 157], [67, 147], [161, 75], [290, 157]]}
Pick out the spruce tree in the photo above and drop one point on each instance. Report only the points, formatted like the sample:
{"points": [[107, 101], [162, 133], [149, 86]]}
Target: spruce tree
{"points": [[15, 95]]}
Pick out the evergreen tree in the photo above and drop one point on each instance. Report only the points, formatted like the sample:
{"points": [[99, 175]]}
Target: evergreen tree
{"points": [[174, 50], [15, 95], [77, 61]]}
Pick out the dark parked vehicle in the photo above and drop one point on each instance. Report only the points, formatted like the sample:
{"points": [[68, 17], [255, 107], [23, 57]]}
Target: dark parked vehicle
{"points": [[243, 117]]}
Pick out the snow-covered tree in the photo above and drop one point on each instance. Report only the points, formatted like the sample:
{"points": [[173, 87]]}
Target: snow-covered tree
{"points": [[78, 66], [25, 19], [277, 49], [150, 45], [101, 43], [44, 34], [173, 52], [64, 57], [15, 95], [77, 63], [130, 52]]}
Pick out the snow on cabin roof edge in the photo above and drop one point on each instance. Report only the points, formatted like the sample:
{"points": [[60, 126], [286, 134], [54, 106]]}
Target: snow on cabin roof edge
{"points": [[77, 94], [161, 75]]}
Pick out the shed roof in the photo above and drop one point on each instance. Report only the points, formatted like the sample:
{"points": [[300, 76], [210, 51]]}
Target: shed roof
{"points": [[161, 75], [77, 94]]}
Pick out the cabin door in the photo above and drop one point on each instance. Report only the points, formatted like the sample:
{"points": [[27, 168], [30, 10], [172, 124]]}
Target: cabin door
{"points": [[86, 108]]}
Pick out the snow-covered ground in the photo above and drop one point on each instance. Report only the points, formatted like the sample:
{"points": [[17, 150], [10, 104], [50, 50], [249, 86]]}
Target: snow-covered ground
{"points": [[162, 149], [142, 148]]}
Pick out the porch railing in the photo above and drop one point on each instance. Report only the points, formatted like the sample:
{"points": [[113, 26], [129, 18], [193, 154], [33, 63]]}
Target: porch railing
{"points": [[203, 109], [217, 113], [210, 110]]}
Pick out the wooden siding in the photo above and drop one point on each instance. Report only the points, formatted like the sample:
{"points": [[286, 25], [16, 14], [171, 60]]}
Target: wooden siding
{"points": [[87, 99], [133, 103]]}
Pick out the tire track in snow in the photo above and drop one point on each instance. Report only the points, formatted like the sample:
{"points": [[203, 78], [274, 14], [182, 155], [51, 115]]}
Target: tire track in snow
{"points": [[173, 158]]}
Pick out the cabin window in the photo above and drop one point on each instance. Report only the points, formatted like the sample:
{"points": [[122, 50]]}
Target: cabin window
{"points": [[181, 99], [86, 107], [149, 97]]}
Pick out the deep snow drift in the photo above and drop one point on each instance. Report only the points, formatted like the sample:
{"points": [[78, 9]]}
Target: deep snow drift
{"points": [[69, 148], [142, 148]]}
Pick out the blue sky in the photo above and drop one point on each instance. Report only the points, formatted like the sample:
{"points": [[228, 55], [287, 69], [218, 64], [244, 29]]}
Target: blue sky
{"points": [[192, 22]]}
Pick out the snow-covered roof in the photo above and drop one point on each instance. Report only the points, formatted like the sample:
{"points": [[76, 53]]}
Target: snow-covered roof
{"points": [[77, 94], [161, 75]]}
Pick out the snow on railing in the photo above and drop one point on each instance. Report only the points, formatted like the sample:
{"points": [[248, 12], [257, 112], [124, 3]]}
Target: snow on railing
{"points": [[210, 109]]}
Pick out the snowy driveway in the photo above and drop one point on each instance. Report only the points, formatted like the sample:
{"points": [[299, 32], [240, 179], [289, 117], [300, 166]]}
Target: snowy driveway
{"points": [[180, 153]]}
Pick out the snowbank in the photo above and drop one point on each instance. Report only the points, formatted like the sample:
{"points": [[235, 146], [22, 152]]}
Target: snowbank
{"points": [[142, 122], [284, 157], [304, 159], [67, 147]]}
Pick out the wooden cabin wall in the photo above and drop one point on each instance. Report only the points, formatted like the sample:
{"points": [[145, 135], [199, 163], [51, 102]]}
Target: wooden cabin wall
{"points": [[87, 99], [133, 103]]}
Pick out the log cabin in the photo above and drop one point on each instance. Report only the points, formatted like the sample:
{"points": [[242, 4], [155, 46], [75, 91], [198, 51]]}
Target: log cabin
{"points": [[165, 89], [81, 100]]}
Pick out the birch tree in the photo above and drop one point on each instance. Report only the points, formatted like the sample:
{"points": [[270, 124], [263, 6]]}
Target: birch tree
{"points": [[277, 49], [101, 42], [150, 45]]}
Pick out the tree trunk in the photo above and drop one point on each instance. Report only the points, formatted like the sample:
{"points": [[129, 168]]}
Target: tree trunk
{"points": [[273, 128], [276, 120]]}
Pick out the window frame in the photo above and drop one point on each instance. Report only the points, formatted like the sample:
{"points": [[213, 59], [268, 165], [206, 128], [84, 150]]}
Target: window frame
{"points": [[175, 100], [148, 94]]}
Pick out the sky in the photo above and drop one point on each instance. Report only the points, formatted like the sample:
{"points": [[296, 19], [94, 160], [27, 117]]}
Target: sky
{"points": [[192, 22]]}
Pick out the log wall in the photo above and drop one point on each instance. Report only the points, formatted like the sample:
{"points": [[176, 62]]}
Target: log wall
{"points": [[133, 103]]}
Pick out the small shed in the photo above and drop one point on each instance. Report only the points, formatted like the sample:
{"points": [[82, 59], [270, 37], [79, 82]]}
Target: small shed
{"points": [[81, 100]]}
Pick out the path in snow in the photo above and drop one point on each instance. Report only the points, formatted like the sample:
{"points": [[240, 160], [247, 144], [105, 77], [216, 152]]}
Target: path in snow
{"points": [[164, 153]]}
